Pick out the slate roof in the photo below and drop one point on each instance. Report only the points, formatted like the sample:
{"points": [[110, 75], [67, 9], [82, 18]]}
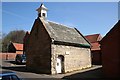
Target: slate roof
{"points": [[63, 33], [18, 46]]}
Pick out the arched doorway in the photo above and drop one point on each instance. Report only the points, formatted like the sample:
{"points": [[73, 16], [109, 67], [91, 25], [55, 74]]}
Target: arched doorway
{"points": [[60, 64]]}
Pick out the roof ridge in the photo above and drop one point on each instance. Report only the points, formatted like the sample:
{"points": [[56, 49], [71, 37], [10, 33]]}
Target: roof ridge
{"points": [[61, 24], [48, 28], [63, 33], [93, 34]]}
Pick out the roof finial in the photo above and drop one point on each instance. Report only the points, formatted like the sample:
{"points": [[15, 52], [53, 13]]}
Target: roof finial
{"points": [[42, 11]]}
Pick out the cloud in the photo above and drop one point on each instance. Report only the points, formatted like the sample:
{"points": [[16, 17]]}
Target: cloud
{"points": [[13, 14]]}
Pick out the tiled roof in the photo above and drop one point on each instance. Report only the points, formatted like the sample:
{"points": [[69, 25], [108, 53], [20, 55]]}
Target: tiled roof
{"points": [[63, 33], [93, 38], [18, 46], [95, 46]]}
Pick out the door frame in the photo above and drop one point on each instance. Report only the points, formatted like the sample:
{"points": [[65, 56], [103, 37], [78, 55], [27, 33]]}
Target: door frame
{"points": [[62, 63]]}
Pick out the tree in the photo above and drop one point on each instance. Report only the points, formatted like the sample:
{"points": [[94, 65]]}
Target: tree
{"points": [[13, 36]]}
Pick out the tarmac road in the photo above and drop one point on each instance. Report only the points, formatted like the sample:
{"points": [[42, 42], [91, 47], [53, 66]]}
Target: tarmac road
{"points": [[21, 71]]}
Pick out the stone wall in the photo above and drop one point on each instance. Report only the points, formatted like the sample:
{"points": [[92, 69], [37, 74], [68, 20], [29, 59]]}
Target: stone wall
{"points": [[38, 49], [75, 58]]}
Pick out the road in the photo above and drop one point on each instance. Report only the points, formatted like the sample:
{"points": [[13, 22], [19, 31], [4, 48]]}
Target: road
{"points": [[21, 71]]}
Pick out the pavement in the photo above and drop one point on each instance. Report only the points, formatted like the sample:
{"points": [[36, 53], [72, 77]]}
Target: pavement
{"points": [[94, 72]]}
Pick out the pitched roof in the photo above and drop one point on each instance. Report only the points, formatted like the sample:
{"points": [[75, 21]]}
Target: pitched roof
{"points": [[18, 46], [93, 38], [62, 33], [42, 6]]}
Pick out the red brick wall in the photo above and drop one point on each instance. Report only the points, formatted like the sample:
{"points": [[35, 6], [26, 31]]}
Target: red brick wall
{"points": [[96, 57], [110, 47], [7, 56], [3, 56]]}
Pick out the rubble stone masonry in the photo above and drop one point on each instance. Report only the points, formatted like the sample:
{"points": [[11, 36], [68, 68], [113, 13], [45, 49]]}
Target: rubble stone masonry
{"points": [[75, 58]]}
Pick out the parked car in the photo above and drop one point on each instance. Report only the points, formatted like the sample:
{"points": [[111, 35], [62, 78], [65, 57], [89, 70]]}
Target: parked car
{"points": [[5, 75], [20, 58]]}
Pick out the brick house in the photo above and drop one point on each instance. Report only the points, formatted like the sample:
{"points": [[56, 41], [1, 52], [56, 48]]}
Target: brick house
{"points": [[110, 47], [55, 48], [94, 39], [15, 48]]}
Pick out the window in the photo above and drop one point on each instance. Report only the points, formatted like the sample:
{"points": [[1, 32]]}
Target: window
{"points": [[43, 14]]}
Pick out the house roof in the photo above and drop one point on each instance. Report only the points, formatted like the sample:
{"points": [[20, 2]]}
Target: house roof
{"points": [[18, 46], [93, 38], [42, 6], [95, 46], [62, 33]]}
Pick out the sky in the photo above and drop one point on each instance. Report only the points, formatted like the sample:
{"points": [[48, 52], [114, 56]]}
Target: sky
{"points": [[119, 10], [87, 17]]}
